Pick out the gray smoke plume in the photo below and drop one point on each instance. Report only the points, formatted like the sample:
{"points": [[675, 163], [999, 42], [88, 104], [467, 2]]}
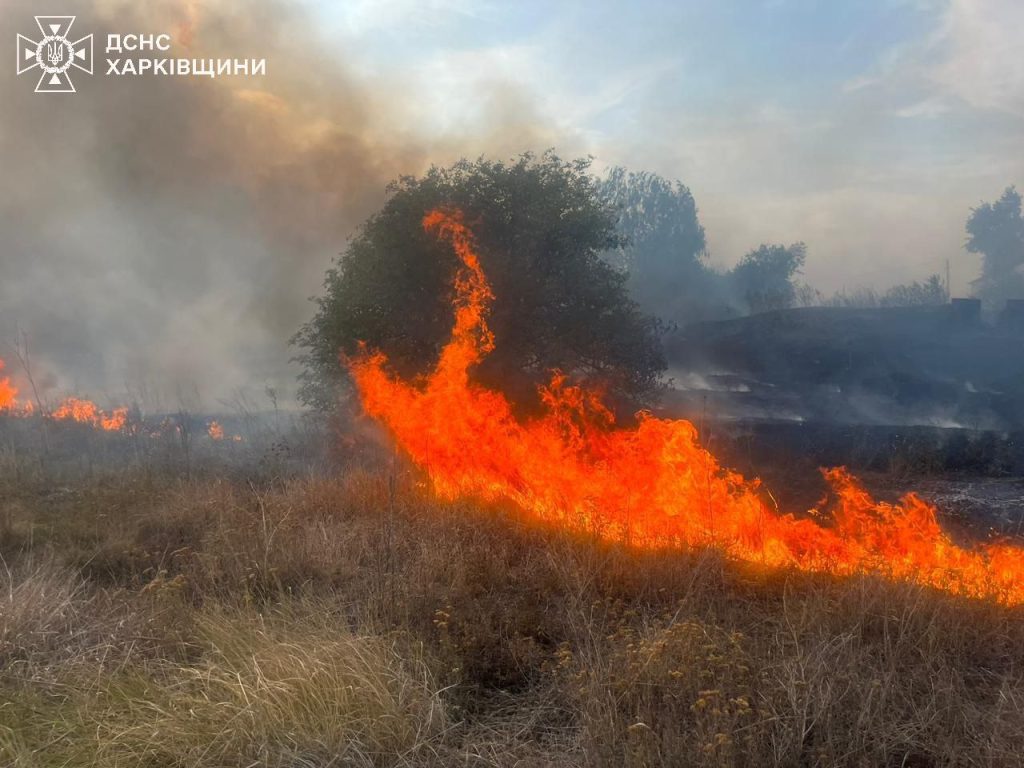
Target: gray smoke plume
{"points": [[167, 231]]}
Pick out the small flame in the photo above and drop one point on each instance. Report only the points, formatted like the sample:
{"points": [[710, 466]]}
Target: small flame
{"points": [[8, 392], [215, 431], [87, 412], [71, 409], [115, 421], [653, 485], [74, 409]]}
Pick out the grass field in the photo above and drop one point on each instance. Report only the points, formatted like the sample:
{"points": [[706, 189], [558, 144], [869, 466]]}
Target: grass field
{"points": [[153, 618]]}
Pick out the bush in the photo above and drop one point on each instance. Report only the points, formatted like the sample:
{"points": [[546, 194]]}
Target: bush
{"points": [[541, 228]]}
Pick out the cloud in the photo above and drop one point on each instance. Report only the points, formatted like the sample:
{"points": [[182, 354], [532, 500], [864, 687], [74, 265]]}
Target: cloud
{"points": [[932, 107], [983, 60], [359, 17]]}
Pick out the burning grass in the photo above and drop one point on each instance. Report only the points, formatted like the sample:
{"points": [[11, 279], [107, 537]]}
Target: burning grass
{"points": [[8, 392], [145, 620], [71, 409], [567, 592], [653, 485]]}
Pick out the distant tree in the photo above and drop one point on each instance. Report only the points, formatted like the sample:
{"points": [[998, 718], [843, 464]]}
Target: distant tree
{"points": [[862, 297], [929, 293], [541, 228], [764, 279], [996, 231], [663, 248], [807, 295]]}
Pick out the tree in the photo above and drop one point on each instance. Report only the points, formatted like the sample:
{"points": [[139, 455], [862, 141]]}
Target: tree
{"points": [[764, 278], [541, 228], [931, 292], [996, 231], [664, 250]]}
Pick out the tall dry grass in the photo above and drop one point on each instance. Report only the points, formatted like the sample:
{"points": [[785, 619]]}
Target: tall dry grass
{"points": [[358, 621]]}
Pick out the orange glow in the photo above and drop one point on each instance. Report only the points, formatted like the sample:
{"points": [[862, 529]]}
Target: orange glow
{"points": [[71, 409], [652, 485], [215, 431], [87, 412], [114, 421], [8, 392]]}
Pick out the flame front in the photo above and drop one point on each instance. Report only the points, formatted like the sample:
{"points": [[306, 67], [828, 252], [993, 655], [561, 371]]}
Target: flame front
{"points": [[652, 485], [8, 392], [71, 409], [87, 412]]}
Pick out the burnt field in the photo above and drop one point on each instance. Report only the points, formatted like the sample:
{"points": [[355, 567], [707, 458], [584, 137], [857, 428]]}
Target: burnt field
{"points": [[922, 398], [928, 366], [975, 478]]}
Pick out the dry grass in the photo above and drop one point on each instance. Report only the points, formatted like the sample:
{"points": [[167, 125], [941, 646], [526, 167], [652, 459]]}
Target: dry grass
{"points": [[357, 621], [284, 690]]}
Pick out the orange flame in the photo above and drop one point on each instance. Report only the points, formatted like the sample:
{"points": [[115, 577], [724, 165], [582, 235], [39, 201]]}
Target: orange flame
{"points": [[71, 409], [114, 421], [215, 431], [8, 392], [87, 412], [652, 485]]}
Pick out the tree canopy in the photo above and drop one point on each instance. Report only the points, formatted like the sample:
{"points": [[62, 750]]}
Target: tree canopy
{"points": [[931, 292], [541, 228], [996, 231], [663, 248], [764, 278]]}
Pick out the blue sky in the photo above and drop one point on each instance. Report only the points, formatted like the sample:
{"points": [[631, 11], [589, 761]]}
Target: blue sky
{"points": [[867, 129]]}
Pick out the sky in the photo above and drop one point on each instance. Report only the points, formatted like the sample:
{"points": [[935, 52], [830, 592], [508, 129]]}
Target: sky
{"points": [[866, 129], [167, 233]]}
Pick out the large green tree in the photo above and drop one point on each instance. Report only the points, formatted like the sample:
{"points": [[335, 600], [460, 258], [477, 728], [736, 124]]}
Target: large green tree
{"points": [[541, 228], [996, 231]]}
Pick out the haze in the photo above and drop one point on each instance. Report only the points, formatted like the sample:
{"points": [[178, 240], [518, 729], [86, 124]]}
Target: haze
{"points": [[170, 230]]}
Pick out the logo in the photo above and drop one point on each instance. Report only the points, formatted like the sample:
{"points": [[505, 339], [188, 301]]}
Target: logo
{"points": [[55, 54]]}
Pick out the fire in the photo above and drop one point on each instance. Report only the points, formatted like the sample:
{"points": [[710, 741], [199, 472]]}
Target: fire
{"points": [[652, 485], [8, 392], [87, 412], [114, 421], [215, 431], [71, 409]]}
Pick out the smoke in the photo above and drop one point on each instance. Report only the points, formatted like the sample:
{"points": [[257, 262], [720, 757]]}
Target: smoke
{"points": [[167, 231]]}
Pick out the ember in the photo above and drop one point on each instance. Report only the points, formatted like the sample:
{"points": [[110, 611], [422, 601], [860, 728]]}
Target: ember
{"points": [[651, 486]]}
